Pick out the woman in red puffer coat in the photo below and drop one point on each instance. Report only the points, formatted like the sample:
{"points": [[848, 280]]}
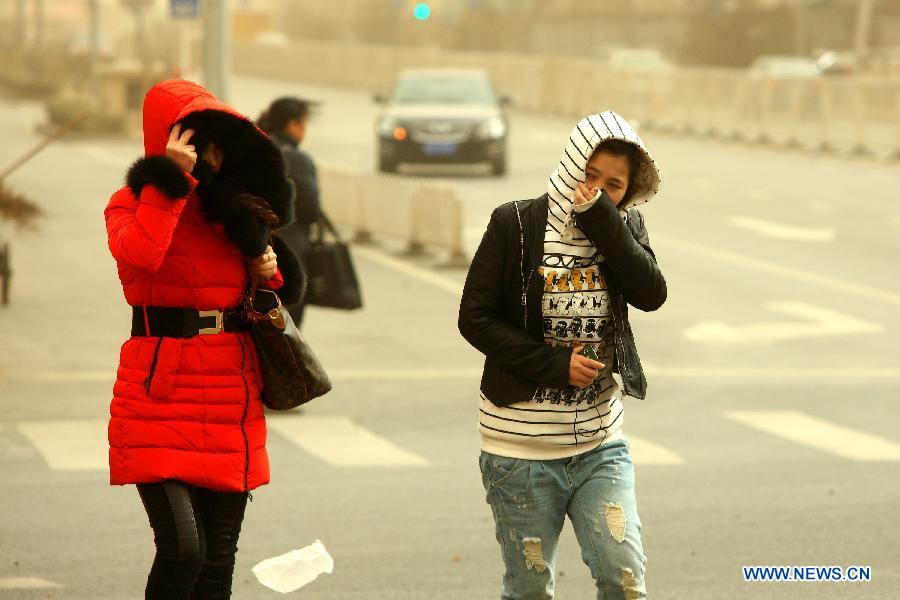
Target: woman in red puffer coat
{"points": [[187, 424]]}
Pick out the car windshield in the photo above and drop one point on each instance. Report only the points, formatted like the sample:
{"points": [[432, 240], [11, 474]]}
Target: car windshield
{"points": [[443, 90]]}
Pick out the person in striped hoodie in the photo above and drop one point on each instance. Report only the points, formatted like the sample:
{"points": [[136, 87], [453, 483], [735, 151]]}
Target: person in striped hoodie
{"points": [[546, 301]]}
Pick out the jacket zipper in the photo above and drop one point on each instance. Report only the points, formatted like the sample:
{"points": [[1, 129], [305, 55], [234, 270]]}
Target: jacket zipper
{"points": [[522, 267], [149, 379], [243, 417], [623, 364]]}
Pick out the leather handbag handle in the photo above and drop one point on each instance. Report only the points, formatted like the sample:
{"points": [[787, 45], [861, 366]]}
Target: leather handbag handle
{"points": [[324, 223]]}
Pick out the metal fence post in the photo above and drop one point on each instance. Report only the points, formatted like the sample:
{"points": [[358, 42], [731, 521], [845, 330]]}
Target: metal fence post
{"points": [[859, 113], [361, 232], [416, 245], [826, 115], [794, 115], [896, 153], [457, 257], [5, 274]]}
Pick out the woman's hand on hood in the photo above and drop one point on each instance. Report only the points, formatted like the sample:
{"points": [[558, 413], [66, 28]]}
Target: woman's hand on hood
{"points": [[179, 150]]}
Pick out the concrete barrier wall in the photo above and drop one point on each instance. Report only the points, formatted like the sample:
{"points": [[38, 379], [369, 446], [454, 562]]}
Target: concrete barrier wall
{"points": [[422, 214], [843, 114]]}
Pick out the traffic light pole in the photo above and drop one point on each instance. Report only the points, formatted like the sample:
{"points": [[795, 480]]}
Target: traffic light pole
{"points": [[864, 11], [93, 48], [217, 47]]}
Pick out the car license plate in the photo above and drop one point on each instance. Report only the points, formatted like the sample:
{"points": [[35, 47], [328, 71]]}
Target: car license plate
{"points": [[439, 149]]}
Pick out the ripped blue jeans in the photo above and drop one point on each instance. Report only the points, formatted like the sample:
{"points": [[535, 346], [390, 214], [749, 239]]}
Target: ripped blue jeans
{"points": [[530, 500]]}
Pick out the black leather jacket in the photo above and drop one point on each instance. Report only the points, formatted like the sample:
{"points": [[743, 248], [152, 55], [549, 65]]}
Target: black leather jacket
{"points": [[505, 323]]}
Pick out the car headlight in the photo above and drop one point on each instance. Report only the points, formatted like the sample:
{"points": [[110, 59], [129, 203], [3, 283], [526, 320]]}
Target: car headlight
{"points": [[386, 126], [493, 128]]}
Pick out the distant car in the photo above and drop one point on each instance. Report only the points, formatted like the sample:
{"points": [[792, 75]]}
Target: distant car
{"points": [[439, 116], [784, 67]]}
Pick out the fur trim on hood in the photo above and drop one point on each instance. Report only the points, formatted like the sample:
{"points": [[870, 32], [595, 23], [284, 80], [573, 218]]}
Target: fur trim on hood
{"points": [[162, 173], [252, 164], [251, 160], [584, 139]]}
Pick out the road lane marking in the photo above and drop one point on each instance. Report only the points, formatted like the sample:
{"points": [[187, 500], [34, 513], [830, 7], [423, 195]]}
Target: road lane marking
{"points": [[105, 156], [815, 322], [410, 270], [795, 275], [774, 375], [27, 583], [647, 453], [71, 445], [62, 376], [819, 434], [781, 231], [341, 442], [404, 374]]}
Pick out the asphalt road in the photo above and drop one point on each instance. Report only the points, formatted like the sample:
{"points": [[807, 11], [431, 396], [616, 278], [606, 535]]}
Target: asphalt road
{"points": [[769, 435]]}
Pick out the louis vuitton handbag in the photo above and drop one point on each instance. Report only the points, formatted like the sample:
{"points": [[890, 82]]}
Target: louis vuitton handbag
{"points": [[292, 375]]}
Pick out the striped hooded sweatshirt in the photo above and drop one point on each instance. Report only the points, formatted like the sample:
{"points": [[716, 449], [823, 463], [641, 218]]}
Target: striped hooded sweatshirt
{"points": [[557, 422]]}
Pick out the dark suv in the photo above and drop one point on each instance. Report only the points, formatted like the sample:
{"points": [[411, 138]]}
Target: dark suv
{"points": [[442, 116]]}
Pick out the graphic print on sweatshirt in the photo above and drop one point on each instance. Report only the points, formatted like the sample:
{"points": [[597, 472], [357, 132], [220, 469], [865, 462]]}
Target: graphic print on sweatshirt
{"points": [[576, 310]]}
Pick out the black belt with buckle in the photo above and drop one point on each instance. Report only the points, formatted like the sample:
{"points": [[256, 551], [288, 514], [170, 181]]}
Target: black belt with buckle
{"points": [[165, 321]]}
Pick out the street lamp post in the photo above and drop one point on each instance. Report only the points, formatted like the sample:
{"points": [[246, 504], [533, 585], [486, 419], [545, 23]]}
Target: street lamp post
{"points": [[93, 48], [864, 12], [217, 46]]}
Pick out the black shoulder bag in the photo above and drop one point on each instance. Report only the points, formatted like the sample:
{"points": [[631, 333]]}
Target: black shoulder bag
{"points": [[331, 278]]}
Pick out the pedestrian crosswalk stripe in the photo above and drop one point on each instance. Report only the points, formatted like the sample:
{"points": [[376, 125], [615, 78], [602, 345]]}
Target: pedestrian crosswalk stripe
{"points": [[644, 452], [424, 275], [701, 375], [27, 583], [403, 374], [820, 434], [341, 442], [74, 445]]}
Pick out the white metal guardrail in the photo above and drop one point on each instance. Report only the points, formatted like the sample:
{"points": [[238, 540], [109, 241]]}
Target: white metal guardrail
{"points": [[421, 213], [859, 114]]}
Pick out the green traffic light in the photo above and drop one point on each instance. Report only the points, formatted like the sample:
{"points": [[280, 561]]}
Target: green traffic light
{"points": [[422, 11]]}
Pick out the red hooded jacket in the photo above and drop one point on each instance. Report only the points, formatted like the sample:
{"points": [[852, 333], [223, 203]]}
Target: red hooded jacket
{"points": [[197, 417]]}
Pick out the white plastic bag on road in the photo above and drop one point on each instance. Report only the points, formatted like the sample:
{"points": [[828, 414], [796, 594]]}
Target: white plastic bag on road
{"points": [[295, 569]]}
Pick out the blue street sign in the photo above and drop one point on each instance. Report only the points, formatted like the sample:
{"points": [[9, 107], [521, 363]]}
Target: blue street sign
{"points": [[184, 9]]}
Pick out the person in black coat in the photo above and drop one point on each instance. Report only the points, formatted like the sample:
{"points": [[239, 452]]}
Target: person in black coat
{"points": [[285, 122]]}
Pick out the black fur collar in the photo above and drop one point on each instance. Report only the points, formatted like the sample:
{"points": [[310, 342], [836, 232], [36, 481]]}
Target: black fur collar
{"points": [[159, 171], [252, 164]]}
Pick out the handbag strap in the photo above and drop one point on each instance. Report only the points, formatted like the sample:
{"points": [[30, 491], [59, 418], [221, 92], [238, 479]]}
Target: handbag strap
{"points": [[324, 223], [253, 282]]}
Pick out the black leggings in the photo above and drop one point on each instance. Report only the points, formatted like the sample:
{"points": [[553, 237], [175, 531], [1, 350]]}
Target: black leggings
{"points": [[196, 532]]}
